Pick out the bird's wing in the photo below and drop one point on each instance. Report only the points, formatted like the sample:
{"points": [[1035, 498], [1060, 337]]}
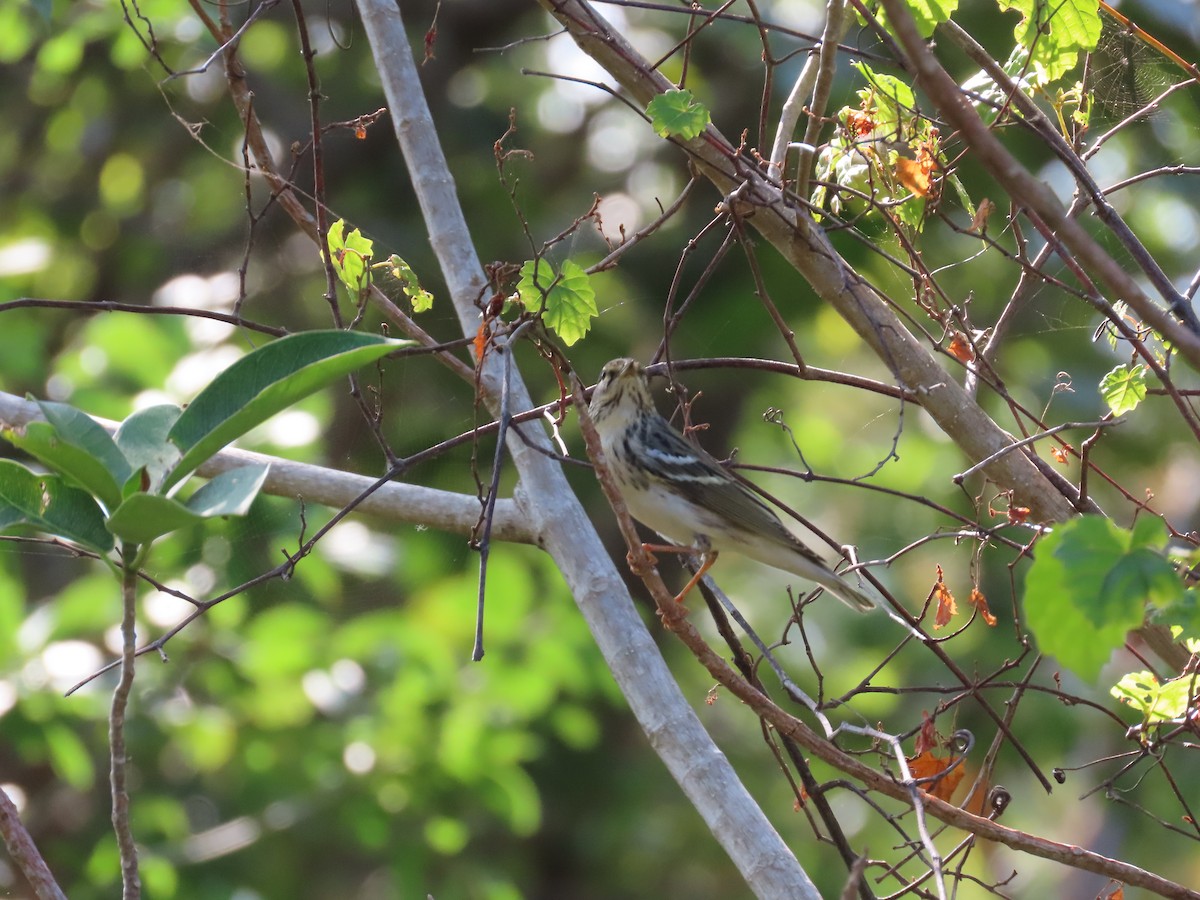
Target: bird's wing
{"points": [[707, 484]]}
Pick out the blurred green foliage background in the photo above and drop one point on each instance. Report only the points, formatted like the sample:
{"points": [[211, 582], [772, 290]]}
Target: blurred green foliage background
{"points": [[326, 736]]}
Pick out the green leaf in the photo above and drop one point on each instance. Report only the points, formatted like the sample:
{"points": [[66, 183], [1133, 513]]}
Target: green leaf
{"points": [[1056, 33], [230, 493], [143, 518], [1063, 590], [1157, 702], [927, 14], [1148, 531], [264, 382], [76, 446], [569, 300], [143, 439], [678, 114], [1124, 388], [351, 254], [931, 13], [69, 756], [42, 441], [899, 95], [51, 505], [989, 98], [81, 430], [1183, 614], [1141, 576], [420, 298]]}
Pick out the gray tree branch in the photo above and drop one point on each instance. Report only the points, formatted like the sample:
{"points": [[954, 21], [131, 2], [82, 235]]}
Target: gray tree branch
{"points": [[563, 529], [393, 502]]}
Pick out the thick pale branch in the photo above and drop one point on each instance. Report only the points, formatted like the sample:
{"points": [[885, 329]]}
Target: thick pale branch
{"points": [[393, 502], [556, 516]]}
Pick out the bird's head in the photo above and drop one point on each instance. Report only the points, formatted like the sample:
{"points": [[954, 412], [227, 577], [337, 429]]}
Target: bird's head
{"points": [[621, 394]]}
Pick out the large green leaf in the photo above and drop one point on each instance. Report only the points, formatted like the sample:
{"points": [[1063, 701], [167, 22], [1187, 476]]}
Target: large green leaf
{"points": [[76, 446], [143, 439], [264, 382], [144, 517], [1056, 33], [48, 503], [1086, 591], [230, 493]]}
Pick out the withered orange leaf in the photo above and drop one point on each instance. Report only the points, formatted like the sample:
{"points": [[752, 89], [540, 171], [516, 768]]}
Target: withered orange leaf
{"points": [[481, 340], [979, 601], [1018, 514], [946, 607], [927, 737], [929, 766], [979, 220], [914, 175], [960, 348], [860, 123]]}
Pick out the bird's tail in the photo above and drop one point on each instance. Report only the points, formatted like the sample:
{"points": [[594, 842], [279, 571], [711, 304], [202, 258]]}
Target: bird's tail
{"points": [[857, 593]]}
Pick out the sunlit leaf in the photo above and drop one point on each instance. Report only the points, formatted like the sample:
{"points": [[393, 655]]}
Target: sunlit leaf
{"points": [[570, 301], [420, 298], [1124, 388], [678, 114], [1056, 33], [1156, 701], [351, 255], [265, 382], [1062, 591]]}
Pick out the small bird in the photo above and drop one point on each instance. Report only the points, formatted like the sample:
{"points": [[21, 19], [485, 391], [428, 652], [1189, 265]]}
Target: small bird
{"points": [[685, 495]]}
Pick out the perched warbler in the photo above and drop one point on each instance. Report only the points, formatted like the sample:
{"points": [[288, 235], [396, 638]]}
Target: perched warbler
{"points": [[685, 495]]}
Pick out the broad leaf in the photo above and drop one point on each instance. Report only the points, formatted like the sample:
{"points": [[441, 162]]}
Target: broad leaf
{"points": [[75, 445], [1124, 388], [230, 493], [144, 517], [1156, 701], [143, 439], [265, 382], [1056, 33], [43, 441], [678, 114], [1062, 602], [50, 504], [1139, 577]]}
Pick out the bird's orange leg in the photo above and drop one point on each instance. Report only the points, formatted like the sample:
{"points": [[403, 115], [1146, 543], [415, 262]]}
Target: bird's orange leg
{"points": [[709, 557]]}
